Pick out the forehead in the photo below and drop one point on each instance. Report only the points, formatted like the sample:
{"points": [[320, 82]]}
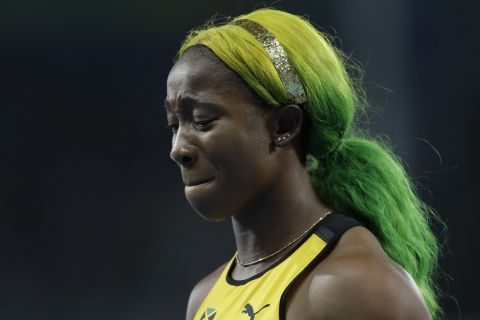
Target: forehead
{"points": [[201, 75]]}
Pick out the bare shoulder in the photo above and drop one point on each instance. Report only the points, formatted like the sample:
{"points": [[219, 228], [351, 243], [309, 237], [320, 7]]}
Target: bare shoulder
{"points": [[200, 291], [357, 280]]}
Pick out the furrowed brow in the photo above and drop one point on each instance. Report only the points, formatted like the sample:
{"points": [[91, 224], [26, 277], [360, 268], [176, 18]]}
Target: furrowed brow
{"points": [[187, 104]]}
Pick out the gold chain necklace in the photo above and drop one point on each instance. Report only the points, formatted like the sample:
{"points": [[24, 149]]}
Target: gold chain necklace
{"points": [[246, 264]]}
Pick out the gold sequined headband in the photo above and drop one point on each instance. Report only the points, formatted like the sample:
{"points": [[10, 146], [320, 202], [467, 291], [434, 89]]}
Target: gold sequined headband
{"points": [[279, 57]]}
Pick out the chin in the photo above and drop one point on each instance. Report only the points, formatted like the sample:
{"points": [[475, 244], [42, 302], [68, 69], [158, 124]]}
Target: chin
{"points": [[211, 208], [217, 202], [208, 212], [213, 217]]}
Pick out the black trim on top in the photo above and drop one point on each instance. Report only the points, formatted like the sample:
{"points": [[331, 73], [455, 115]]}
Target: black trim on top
{"points": [[235, 282], [332, 228]]}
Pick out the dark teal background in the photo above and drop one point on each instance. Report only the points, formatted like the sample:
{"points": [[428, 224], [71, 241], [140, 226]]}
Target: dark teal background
{"points": [[93, 221]]}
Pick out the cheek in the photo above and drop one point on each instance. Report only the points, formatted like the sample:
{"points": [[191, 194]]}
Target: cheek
{"points": [[244, 169], [240, 154], [244, 166]]}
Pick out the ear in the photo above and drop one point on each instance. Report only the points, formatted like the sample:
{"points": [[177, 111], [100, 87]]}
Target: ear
{"points": [[288, 124]]}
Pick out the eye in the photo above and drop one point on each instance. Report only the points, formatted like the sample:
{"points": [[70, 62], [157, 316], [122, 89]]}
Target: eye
{"points": [[172, 127], [202, 124]]}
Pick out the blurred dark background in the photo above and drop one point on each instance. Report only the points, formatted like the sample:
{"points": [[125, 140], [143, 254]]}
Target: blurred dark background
{"points": [[93, 220]]}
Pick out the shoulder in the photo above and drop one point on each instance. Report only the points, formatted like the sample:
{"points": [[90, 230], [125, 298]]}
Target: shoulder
{"points": [[359, 281], [200, 291]]}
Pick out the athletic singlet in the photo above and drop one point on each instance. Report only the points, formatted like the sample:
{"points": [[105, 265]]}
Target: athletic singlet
{"points": [[262, 297]]}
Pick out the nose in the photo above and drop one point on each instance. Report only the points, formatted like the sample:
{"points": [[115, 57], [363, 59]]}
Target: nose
{"points": [[183, 152]]}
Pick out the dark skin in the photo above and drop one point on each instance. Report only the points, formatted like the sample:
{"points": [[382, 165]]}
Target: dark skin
{"points": [[224, 141]]}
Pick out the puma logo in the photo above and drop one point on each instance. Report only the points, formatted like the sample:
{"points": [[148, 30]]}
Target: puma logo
{"points": [[248, 310]]}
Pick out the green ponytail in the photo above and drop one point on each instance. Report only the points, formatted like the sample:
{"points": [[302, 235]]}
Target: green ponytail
{"points": [[350, 173], [364, 178]]}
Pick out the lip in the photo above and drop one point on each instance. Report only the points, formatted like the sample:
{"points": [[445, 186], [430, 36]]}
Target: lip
{"points": [[198, 182]]}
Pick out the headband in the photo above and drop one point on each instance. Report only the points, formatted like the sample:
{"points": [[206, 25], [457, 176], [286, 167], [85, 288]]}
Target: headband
{"points": [[279, 58]]}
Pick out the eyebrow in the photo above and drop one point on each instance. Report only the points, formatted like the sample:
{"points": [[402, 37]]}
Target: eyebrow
{"points": [[189, 103]]}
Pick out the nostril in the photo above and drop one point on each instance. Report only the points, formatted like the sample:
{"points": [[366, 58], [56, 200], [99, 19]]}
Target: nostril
{"points": [[184, 155], [186, 161]]}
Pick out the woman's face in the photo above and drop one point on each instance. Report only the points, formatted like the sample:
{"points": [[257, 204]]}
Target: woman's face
{"points": [[221, 136]]}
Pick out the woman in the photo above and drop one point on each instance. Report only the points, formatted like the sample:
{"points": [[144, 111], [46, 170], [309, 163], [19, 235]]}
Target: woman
{"points": [[326, 222]]}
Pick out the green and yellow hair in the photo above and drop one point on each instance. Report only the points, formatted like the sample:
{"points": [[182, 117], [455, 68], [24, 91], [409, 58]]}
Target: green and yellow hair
{"points": [[350, 172]]}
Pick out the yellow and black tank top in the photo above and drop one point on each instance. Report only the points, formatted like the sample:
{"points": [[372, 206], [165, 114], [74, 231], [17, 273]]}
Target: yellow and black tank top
{"points": [[263, 296]]}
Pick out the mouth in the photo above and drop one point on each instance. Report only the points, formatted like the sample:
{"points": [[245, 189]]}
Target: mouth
{"points": [[198, 182]]}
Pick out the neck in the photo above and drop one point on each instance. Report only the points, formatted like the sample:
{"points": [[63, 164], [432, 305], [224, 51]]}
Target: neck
{"points": [[282, 214]]}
